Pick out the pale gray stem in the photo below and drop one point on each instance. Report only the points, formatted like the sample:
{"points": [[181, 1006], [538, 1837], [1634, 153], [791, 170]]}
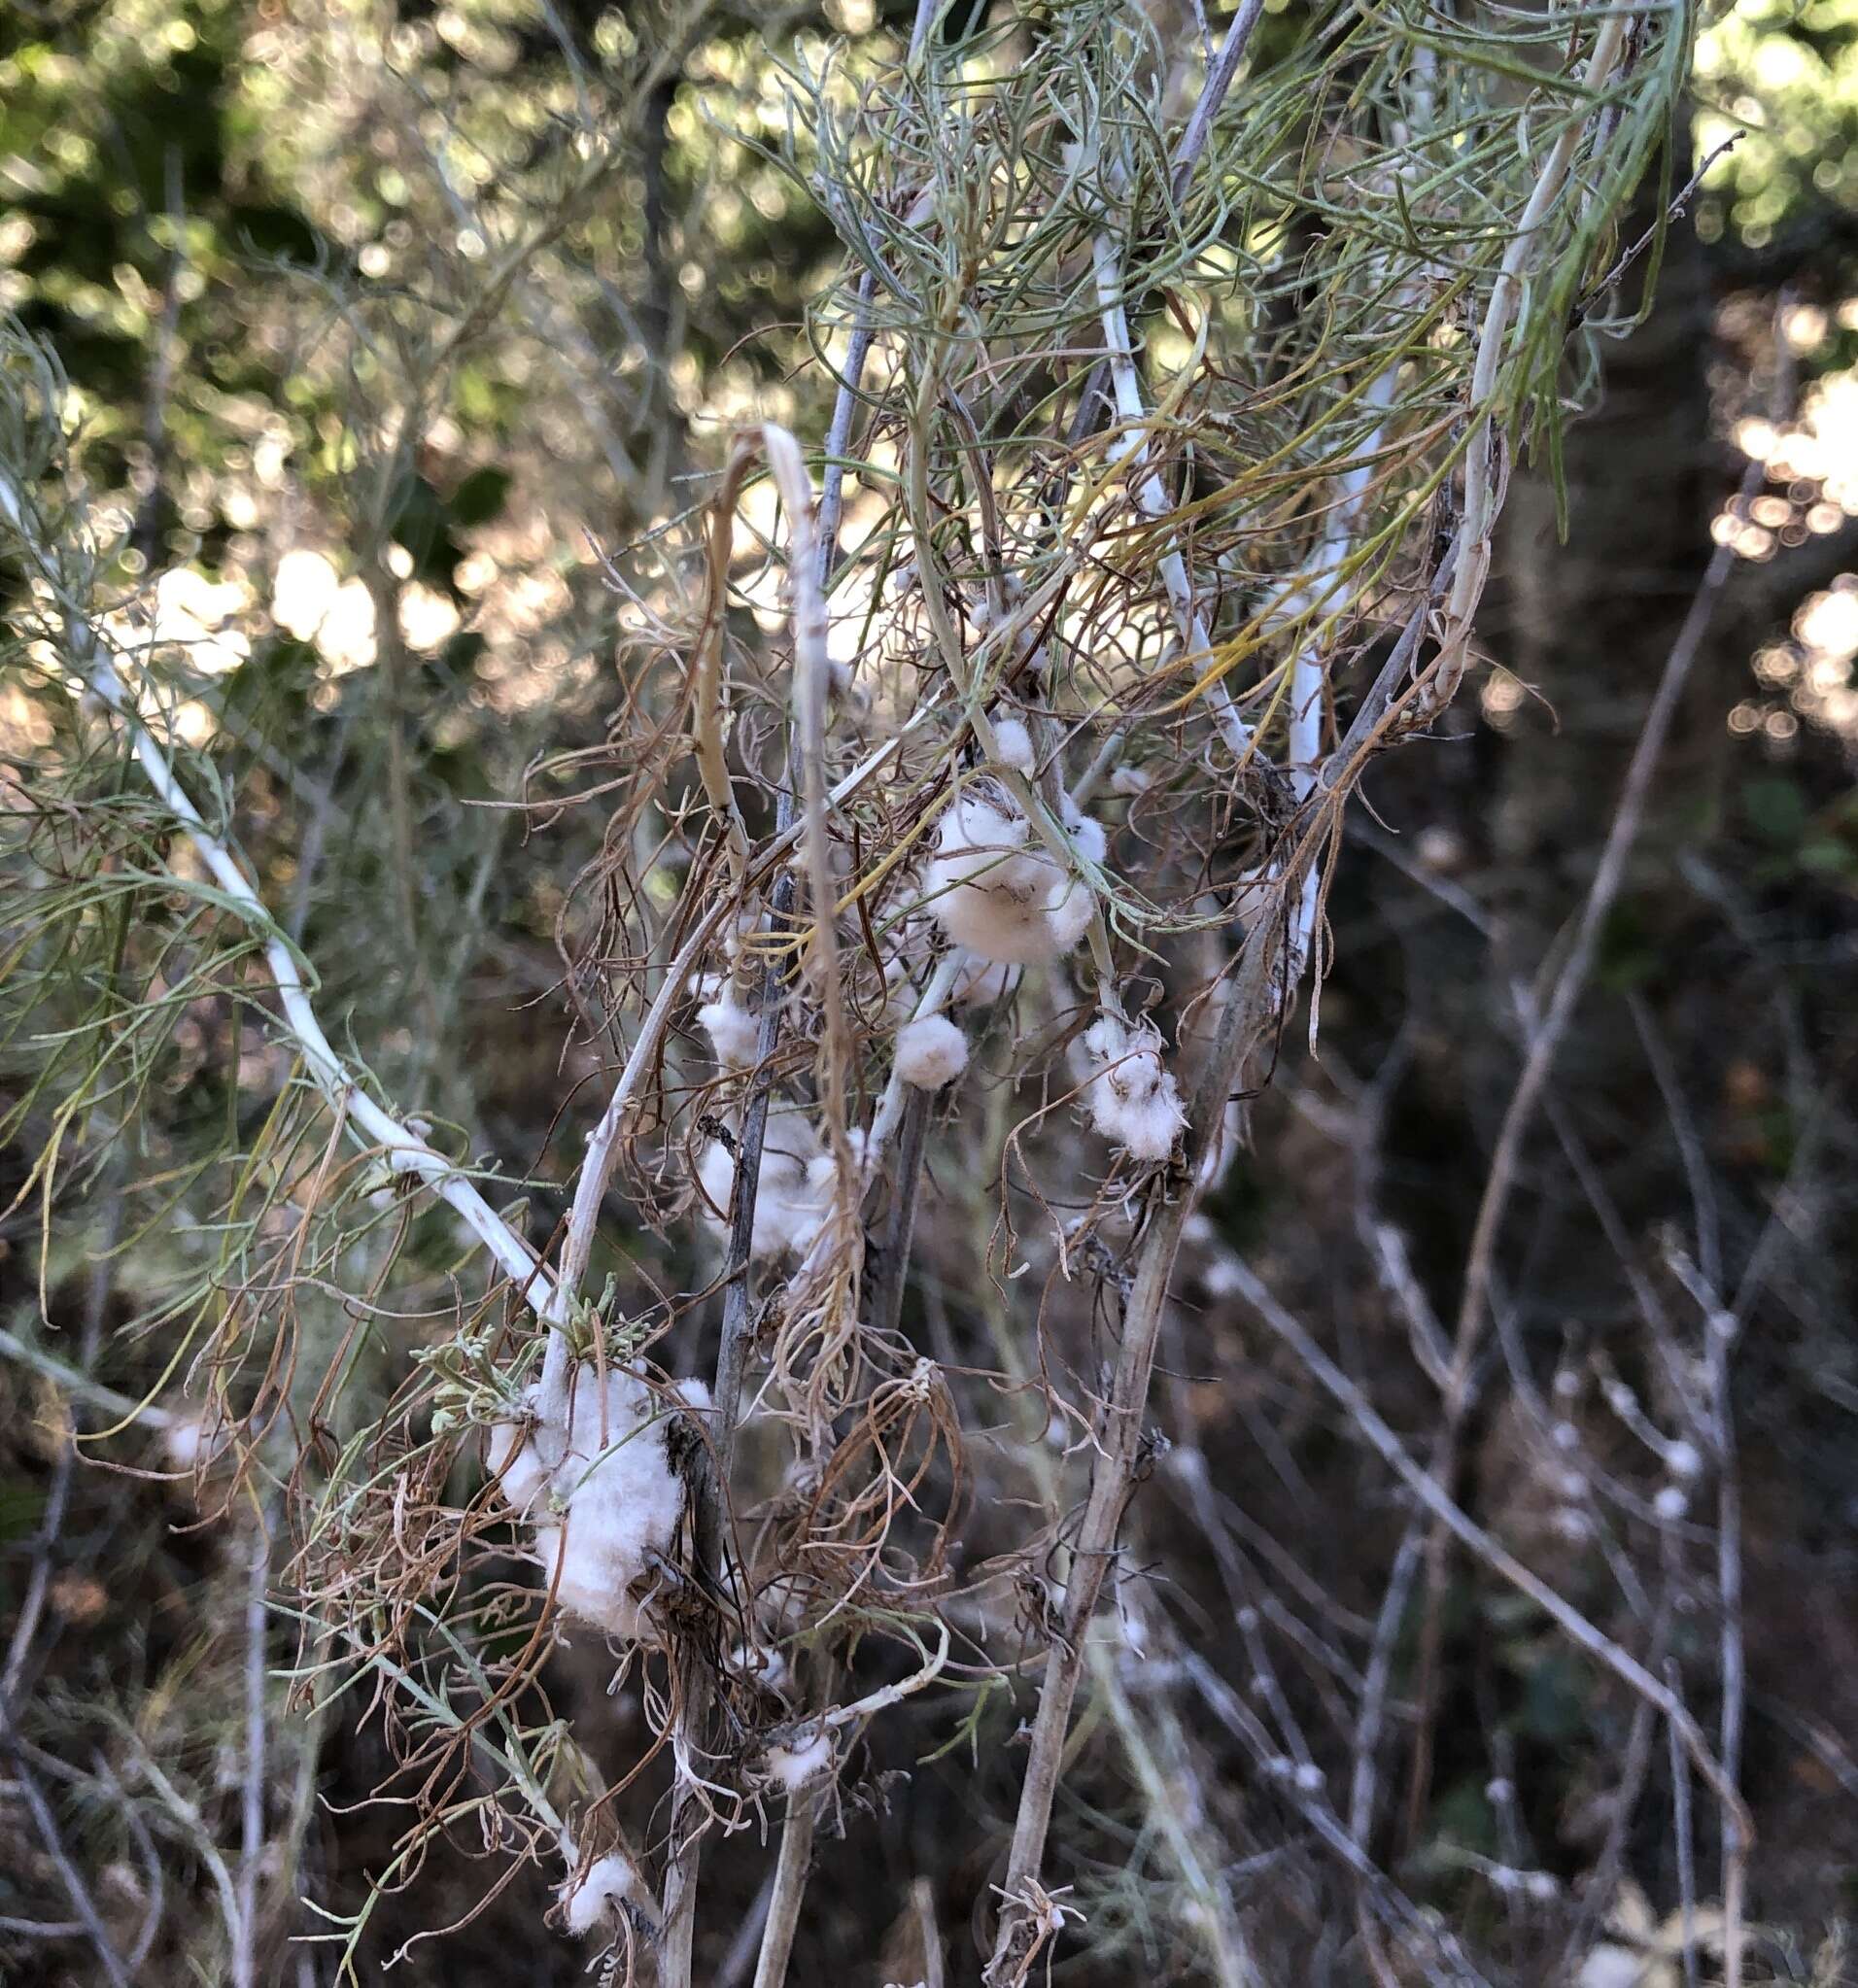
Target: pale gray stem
{"points": [[1219, 81], [252, 1822], [1686, 1847], [790, 1888]]}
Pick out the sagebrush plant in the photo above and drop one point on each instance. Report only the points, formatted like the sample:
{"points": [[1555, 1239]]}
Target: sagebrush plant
{"points": [[968, 818]]}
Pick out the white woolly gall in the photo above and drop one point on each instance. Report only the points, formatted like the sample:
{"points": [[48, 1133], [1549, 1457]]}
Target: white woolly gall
{"points": [[983, 879], [183, 1441], [1439, 849], [188, 1441], [793, 1767], [1013, 744], [610, 1509], [734, 1034], [589, 1902], [768, 1667], [931, 1051], [738, 935], [795, 1193], [1088, 833], [995, 889], [1067, 915], [510, 1456], [1130, 781], [1131, 1097], [1608, 1966], [1223, 1274]]}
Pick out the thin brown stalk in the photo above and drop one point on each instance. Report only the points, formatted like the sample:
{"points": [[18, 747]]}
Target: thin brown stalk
{"points": [[1118, 1437], [711, 1492], [1243, 1020]]}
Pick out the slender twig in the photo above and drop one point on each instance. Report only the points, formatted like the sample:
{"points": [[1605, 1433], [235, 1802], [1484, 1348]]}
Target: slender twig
{"points": [[791, 1869], [1244, 1017], [145, 532], [808, 559], [1232, 1963], [1538, 1065], [1481, 486], [1720, 1329], [746, 1948], [1308, 676], [1378, 1675], [69, 1875], [680, 1908], [1571, 981], [96, 1298], [151, 1864], [885, 1309], [407, 1152], [1424, 1485], [1686, 1846], [244, 1952], [922, 1901], [1150, 498], [1219, 81], [1119, 1433]]}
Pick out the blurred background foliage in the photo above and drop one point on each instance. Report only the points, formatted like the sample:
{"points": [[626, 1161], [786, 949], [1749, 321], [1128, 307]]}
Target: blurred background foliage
{"points": [[387, 328]]}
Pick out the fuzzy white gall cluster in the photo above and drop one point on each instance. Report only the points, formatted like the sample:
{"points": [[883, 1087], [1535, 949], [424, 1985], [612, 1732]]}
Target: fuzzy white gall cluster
{"points": [[589, 1902], [931, 1051], [994, 887], [188, 1441], [1013, 744], [1130, 1096], [734, 1034], [795, 1197], [793, 1767], [608, 1509]]}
